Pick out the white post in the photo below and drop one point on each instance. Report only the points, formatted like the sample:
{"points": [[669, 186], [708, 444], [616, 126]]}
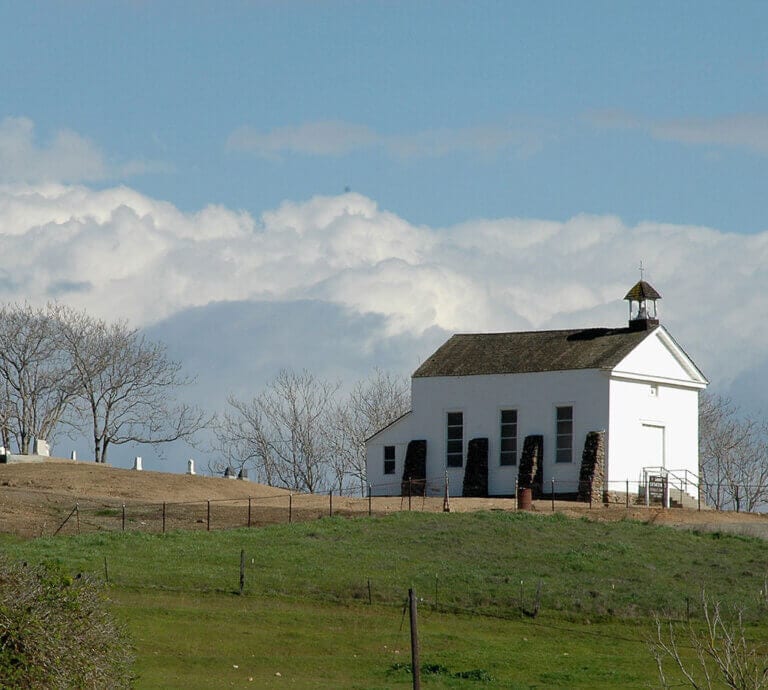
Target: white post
{"points": [[137, 463], [73, 456], [190, 466]]}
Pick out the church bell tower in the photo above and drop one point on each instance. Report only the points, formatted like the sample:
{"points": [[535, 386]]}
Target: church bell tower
{"points": [[642, 306]]}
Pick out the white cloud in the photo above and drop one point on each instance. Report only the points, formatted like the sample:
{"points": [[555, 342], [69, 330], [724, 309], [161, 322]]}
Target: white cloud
{"points": [[121, 254], [336, 138], [312, 138], [68, 157], [742, 131]]}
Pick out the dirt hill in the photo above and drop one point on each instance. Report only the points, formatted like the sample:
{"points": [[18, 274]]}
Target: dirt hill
{"points": [[39, 499]]}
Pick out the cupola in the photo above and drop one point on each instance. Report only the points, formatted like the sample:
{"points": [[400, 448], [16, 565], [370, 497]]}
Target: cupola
{"points": [[642, 306]]}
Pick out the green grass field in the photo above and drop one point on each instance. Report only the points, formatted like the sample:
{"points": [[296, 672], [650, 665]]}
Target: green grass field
{"points": [[305, 612]]}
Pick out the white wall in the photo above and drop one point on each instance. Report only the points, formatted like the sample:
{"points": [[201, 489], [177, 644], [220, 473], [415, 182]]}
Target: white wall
{"points": [[481, 399], [636, 403], [653, 386], [398, 435]]}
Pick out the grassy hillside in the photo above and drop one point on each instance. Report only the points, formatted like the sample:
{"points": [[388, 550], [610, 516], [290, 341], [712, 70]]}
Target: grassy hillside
{"points": [[305, 611]]}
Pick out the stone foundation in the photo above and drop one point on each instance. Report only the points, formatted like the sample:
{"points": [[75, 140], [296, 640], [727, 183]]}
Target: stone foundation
{"points": [[529, 476], [476, 473], [592, 474], [414, 482]]}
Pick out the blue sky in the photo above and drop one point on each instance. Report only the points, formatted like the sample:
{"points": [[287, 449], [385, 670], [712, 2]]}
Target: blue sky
{"points": [[342, 185], [468, 109]]}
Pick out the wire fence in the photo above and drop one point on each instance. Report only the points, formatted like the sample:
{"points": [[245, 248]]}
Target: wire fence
{"points": [[427, 495]]}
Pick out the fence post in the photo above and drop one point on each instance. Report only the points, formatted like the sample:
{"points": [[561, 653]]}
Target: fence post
{"points": [[647, 495], [330, 503], [123, 517], [242, 570], [249, 511], [77, 516], [415, 664], [290, 508], [409, 493], [517, 489], [699, 498], [627, 494], [370, 507], [163, 517], [553, 494], [208, 517]]}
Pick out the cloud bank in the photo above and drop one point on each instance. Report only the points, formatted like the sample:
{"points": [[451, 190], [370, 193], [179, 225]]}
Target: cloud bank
{"points": [[335, 138], [68, 157], [121, 254], [741, 131]]}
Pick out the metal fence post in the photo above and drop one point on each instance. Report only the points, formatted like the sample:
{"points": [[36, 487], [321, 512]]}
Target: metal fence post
{"points": [[249, 511], [553, 494], [330, 503], [163, 517], [123, 525], [627, 494], [370, 507], [208, 517], [290, 508]]}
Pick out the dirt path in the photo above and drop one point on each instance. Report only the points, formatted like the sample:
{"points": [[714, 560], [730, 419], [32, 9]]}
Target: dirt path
{"points": [[36, 499]]}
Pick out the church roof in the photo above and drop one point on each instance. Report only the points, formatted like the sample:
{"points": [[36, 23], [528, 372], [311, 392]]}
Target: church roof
{"points": [[475, 354], [642, 290]]}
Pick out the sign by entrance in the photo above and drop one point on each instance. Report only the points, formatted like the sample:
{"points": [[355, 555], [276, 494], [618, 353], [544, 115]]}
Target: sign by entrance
{"points": [[657, 485]]}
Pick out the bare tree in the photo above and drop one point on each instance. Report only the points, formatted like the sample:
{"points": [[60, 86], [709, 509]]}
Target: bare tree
{"points": [[126, 385], [283, 432], [239, 443], [37, 377], [373, 403], [722, 654], [733, 455]]}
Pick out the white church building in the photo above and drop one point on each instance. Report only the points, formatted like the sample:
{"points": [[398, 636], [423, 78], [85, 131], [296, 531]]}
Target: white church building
{"points": [[490, 404]]}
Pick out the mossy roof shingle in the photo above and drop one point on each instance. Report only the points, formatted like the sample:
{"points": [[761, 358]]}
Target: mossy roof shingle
{"points": [[475, 354]]}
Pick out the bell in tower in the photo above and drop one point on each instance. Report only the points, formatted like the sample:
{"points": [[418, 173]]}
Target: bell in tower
{"points": [[642, 306]]}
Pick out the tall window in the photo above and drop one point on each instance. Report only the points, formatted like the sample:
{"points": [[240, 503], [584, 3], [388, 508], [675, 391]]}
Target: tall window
{"points": [[454, 446], [389, 459], [508, 445], [564, 445]]}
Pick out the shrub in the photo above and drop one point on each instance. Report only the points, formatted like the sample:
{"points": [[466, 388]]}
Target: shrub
{"points": [[55, 631]]}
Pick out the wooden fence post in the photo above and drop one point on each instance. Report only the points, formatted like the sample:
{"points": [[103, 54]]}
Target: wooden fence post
{"points": [[415, 664], [208, 517], [163, 517], [249, 511]]}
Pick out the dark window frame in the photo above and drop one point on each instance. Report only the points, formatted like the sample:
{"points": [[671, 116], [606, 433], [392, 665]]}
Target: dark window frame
{"points": [[508, 432], [454, 439], [389, 460], [564, 434]]}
